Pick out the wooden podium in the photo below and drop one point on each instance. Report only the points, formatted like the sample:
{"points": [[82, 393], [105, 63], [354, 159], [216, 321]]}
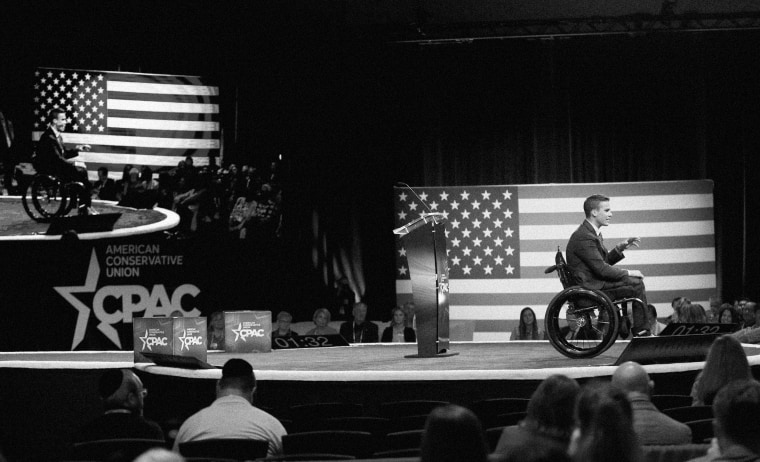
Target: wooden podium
{"points": [[425, 239]]}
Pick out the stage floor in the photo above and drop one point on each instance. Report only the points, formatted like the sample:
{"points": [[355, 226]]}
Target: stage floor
{"points": [[375, 363], [15, 224]]}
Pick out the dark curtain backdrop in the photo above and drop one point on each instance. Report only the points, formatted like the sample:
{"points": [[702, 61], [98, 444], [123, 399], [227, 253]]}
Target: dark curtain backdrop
{"points": [[352, 115]]}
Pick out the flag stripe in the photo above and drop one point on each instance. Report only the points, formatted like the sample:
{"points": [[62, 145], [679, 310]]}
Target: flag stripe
{"points": [[619, 203], [155, 78], [161, 88], [192, 116], [643, 230], [148, 133], [634, 257], [614, 190], [672, 269], [145, 142], [161, 98], [134, 159], [633, 216], [152, 106], [652, 243], [159, 124]]}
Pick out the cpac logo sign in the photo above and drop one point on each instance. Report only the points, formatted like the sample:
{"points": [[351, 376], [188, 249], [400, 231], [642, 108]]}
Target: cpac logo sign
{"points": [[242, 334], [155, 302], [149, 342], [189, 340]]}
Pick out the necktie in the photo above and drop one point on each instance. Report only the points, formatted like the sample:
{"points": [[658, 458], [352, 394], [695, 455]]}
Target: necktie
{"points": [[60, 141]]}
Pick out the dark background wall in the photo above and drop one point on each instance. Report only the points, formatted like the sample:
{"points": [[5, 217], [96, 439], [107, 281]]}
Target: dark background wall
{"points": [[352, 114]]}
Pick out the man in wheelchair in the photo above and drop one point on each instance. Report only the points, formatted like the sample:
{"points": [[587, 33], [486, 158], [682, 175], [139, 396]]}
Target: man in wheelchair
{"points": [[592, 264], [51, 158]]}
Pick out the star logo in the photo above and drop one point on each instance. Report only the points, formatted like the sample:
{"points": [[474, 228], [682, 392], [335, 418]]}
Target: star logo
{"points": [[144, 341], [238, 331], [185, 340]]}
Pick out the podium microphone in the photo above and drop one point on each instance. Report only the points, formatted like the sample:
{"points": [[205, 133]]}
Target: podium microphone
{"points": [[402, 184]]}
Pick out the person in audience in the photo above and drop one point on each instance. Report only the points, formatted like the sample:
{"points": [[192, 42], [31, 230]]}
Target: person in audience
{"points": [[410, 310], [104, 188], [283, 325], [655, 326], [748, 314], [527, 329], [692, 313], [728, 314], [676, 304], [397, 331], [751, 332], [735, 425], [651, 425], [123, 398], [726, 361], [453, 434], [604, 427], [549, 421], [232, 414], [714, 312], [216, 331], [360, 330], [321, 320]]}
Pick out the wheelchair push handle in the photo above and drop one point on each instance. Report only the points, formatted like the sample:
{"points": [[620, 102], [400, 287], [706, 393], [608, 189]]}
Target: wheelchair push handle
{"points": [[550, 269]]}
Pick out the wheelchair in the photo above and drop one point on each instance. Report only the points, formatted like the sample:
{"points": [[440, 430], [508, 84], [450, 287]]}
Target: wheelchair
{"points": [[600, 319], [47, 197]]}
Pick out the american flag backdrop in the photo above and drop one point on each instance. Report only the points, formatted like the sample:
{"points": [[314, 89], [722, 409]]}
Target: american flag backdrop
{"points": [[501, 238], [129, 118]]}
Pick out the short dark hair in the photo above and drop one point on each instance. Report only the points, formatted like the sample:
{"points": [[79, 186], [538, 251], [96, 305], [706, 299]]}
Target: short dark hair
{"points": [[53, 114], [238, 373], [103, 170], [652, 310], [592, 203], [736, 408]]}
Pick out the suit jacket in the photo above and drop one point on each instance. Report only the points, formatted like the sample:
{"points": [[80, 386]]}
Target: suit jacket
{"points": [[368, 333], [50, 154], [106, 190], [654, 427], [589, 260], [409, 334]]}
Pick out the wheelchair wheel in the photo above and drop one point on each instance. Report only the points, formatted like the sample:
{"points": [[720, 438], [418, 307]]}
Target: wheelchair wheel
{"points": [[49, 197], [595, 315]]}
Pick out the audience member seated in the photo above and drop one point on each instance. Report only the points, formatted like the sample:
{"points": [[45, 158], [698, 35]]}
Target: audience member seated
{"points": [[572, 331], [528, 328], [729, 315], [232, 415], [549, 421], [605, 427], [359, 330], [453, 434], [651, 425], [283, 325], [104, 188], [726, 361], [397, 331], [747, 317], [123, 398], [410, 310], [751, 331], [677, 304], [321, 320], [216, 331], [714, 311], [737, 428], [655, 326], [692, 313]]}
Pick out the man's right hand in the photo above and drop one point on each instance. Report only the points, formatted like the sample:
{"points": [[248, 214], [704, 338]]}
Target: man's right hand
{"points": [[635, 274]]}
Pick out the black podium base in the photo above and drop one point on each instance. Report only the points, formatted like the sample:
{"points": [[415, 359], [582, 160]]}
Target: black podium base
{"points": [[437, 355], [83, 223]]}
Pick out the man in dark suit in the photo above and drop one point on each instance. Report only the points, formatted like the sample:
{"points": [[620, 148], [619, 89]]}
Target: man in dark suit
{"points": [[51, 155], [651, 425], [592, 264], [360, 330], [104, 188]]}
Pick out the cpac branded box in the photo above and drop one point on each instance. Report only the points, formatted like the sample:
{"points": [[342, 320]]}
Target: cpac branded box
{"points": [[248, 331], [169, 336]]}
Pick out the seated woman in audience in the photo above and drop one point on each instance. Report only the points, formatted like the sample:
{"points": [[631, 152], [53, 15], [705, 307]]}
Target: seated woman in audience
{"points": [[216, 331], [655, 326], [453, 434], [397, 331], [549, 421], [676, 304], [528, 327], [321, 320], [605, 427], [726, 361], [693, 313], [728, 314]]}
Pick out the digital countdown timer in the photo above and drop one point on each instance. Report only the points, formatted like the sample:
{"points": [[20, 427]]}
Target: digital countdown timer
{"points": [[308, 341]]}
